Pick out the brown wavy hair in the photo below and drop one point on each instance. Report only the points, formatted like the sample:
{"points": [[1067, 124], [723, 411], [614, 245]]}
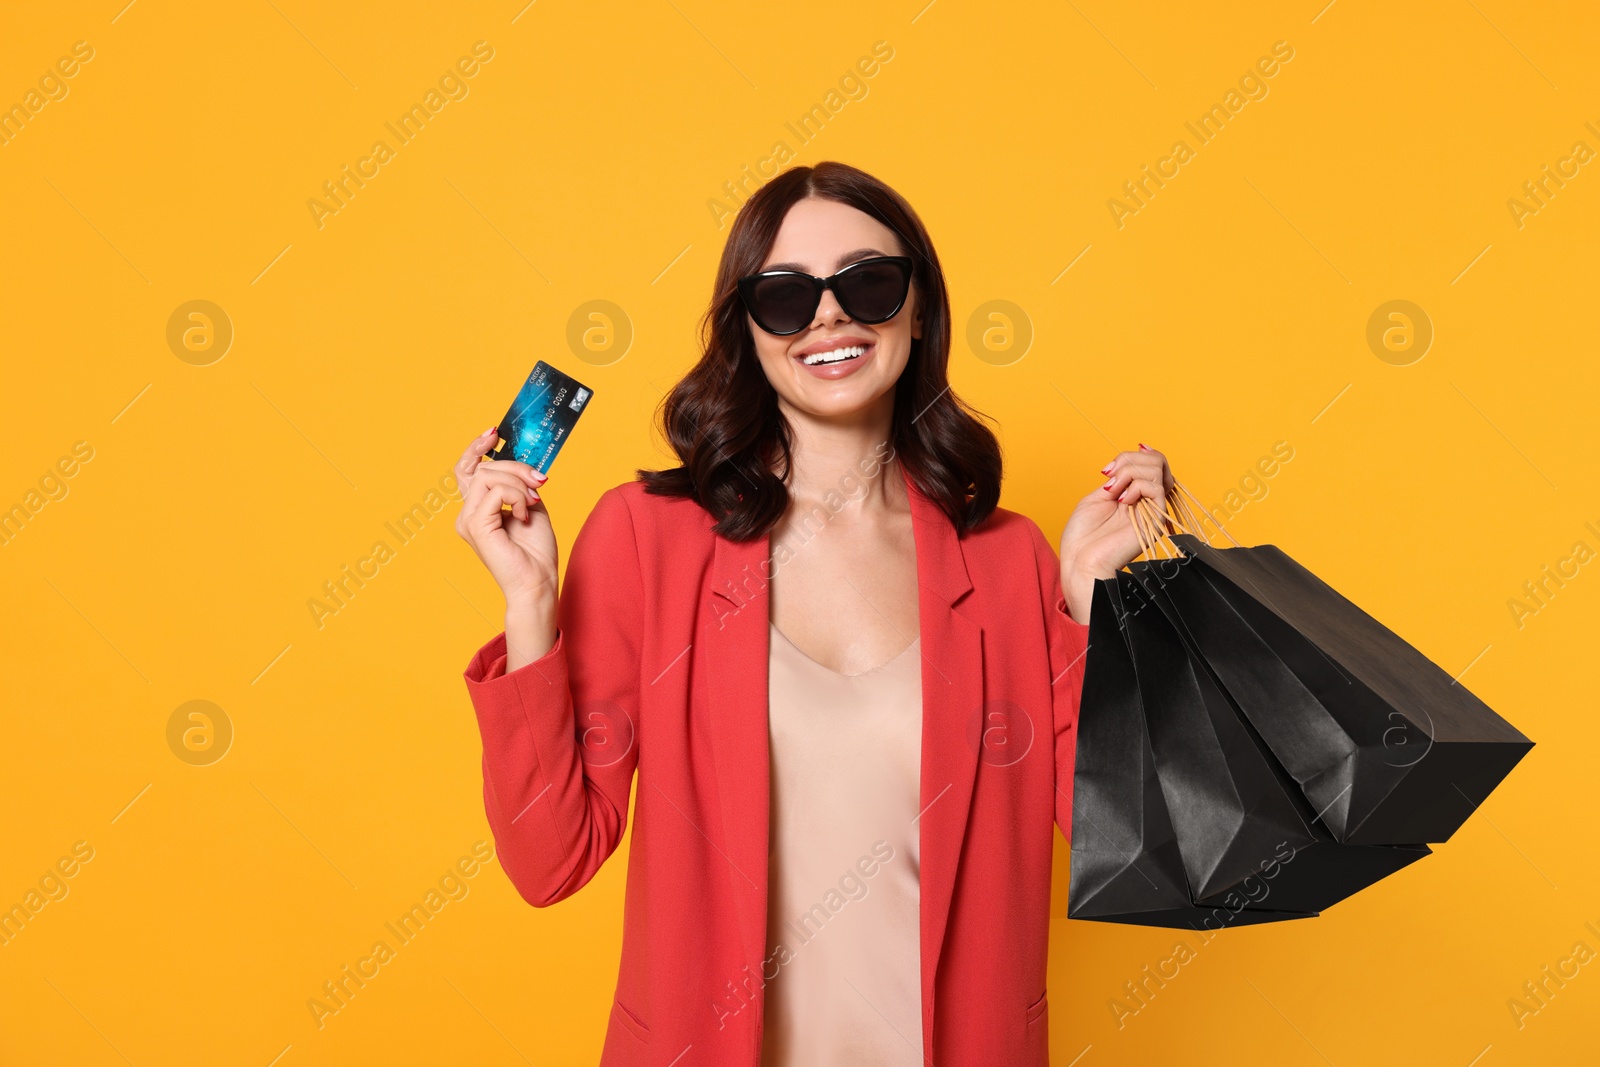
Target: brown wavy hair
{"points": [[722, 418]]}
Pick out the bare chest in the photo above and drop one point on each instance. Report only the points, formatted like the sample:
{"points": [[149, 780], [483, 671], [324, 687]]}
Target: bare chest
{"points": [[846, 594]]}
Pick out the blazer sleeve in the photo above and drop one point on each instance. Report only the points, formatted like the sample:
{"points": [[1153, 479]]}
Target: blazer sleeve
{"points": [[561, 734], [1068, 644]]}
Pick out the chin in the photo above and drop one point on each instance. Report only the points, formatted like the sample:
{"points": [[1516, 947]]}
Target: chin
{"points": [[825, 400]]}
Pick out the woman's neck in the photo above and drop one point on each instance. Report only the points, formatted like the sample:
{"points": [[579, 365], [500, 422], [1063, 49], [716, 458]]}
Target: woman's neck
{"points": [[848, 457]]}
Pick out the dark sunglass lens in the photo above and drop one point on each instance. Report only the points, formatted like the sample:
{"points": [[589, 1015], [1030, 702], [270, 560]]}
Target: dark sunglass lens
{"points": [[873, 292], [784, 303]]}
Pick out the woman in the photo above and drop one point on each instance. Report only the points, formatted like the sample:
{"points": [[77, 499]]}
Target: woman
{"points": [[848, 681]]}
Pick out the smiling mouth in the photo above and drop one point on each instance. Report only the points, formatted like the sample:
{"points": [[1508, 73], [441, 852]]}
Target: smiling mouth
{"points": [[837, 355]]}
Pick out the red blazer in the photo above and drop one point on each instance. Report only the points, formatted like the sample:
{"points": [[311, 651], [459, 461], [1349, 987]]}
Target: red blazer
{"points": [[660, 665]]}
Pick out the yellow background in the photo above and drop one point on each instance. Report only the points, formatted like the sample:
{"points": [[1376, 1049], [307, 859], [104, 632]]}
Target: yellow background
{"points": [[1225, 316]]}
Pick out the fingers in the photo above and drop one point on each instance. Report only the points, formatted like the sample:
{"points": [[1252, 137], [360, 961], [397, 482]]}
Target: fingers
{"points": [[468, 463], [509, 472], [503, 487], [472, 461], [1166, 468], [1147, 489], [1125, 467], [503, 494], [1124, 474], [490, 493], [529, 476]]}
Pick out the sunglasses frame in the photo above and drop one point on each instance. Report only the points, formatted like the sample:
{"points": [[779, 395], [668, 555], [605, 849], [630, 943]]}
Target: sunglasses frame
{"points": [[748, 283]]}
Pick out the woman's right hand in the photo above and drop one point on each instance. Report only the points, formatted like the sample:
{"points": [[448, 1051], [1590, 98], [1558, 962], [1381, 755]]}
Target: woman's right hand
{"points": [[518, 547]]}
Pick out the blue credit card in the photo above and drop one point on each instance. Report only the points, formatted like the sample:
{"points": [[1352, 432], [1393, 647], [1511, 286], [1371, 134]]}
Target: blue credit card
{"points": [[541, 418]]}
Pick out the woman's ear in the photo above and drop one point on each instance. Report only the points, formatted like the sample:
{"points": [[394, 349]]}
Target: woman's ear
{"points": [[916, 320]]}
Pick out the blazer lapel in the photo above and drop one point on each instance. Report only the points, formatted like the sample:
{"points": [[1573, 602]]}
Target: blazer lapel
{"points": [[736, 646], [952, 695], [736, 649]]}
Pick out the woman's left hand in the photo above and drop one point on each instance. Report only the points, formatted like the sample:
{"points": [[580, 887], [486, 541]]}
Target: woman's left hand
{"points": [[1099, 538]]}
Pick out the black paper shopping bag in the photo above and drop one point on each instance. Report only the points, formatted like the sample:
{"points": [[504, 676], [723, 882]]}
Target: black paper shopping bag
{"points": [[1383, 741], [1384, 744], [1236, 812], [1307, 740], [1126, 865]]}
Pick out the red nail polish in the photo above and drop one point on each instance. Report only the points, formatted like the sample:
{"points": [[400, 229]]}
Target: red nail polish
{"points": [[1144, 446], [1106, 469]]}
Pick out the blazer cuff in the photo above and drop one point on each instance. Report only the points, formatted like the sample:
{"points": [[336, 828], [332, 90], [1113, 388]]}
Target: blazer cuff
{"points": [[1073, 625], [486, 675]]}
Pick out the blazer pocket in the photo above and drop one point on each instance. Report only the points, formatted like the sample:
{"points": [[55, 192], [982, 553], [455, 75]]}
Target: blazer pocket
{"points": [[1036, 1010], [630, 1022]]}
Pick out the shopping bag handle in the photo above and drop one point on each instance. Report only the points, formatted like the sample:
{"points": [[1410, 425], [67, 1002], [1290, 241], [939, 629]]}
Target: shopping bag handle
{"points": [[1181, 501], [1151, 525], [1148, 526]]}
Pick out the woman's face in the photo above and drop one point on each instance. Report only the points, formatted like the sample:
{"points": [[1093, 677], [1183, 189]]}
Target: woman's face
{"points": [[820, 237]]}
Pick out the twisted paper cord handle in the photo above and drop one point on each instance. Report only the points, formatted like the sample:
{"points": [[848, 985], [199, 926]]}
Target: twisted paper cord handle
{"points": [[1151, 525]]}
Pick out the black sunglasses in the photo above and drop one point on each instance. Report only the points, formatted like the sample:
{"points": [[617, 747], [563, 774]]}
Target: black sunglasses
{"points": [[871, 291]]}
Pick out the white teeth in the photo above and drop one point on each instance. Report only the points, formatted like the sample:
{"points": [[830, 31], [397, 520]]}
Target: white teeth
{"points": [[836, 356]]}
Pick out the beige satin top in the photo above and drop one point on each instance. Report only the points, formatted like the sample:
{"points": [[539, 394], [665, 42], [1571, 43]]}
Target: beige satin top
{"points": [[842, 904]]}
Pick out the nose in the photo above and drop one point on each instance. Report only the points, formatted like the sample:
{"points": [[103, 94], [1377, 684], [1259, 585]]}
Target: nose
{"points": [[828, 310]]}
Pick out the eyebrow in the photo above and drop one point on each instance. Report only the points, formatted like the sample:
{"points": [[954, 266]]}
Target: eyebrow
{"points": [[844, 260]]}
